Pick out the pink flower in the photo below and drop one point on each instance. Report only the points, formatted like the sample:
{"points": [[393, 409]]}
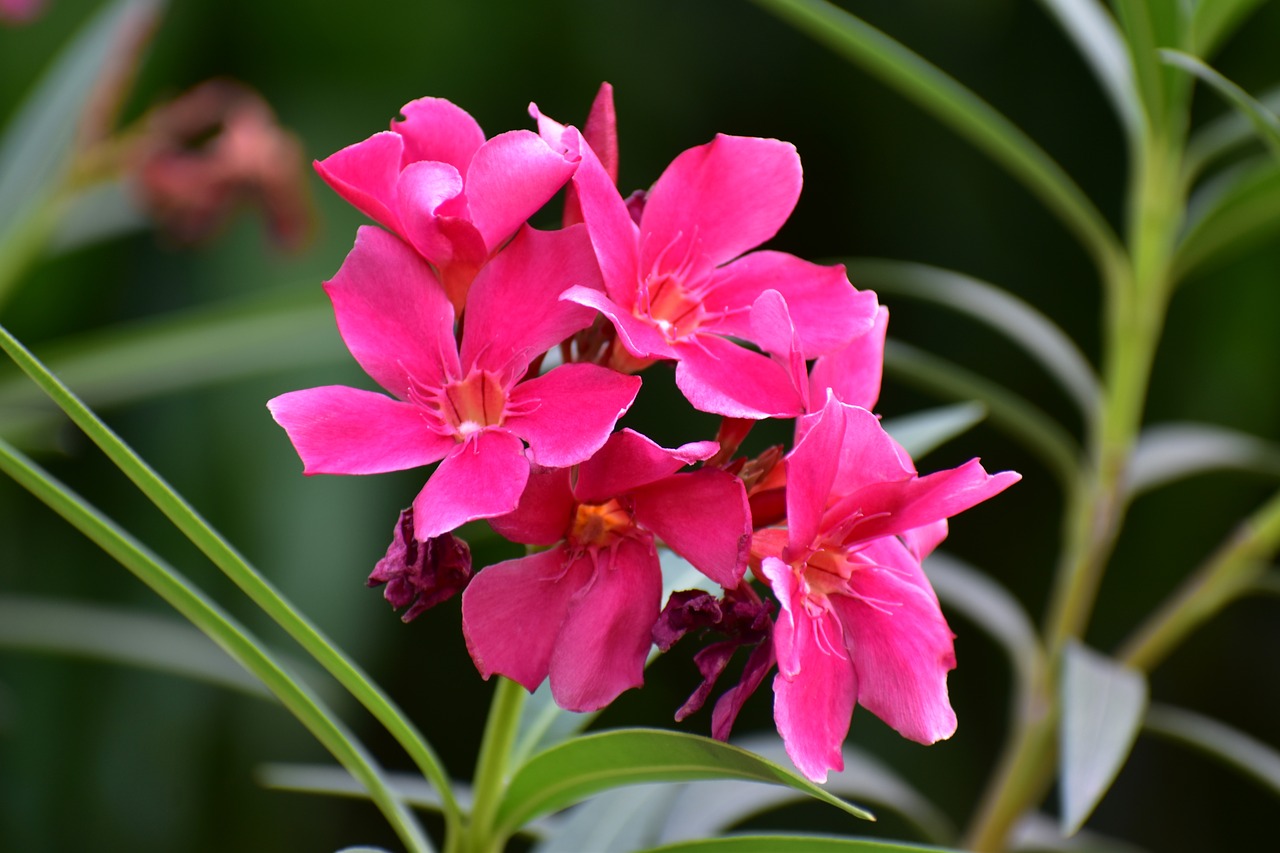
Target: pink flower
{"points": [[473, 408], [455, 197], [678, 286], [582, 612], [859, 622], [20, 11]]}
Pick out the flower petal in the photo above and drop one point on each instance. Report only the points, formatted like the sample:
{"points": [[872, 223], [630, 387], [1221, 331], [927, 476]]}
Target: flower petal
{"points": [[827, 311], [718, 200], [437, 129], [718, 376], [341, 430], [901, 645], [606, 637], [811, 469], [629, 460], [430, 198], [544, 512], [393, 314], [614, 234], [365, 175], [570, 411], [640, 338], [512, 613], [514, 311], [853, 372], [510, 177], [704, 517], [480, 478]]}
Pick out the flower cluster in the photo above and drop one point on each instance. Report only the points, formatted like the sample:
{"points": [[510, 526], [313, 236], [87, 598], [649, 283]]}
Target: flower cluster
{"points": [[457, 307]]}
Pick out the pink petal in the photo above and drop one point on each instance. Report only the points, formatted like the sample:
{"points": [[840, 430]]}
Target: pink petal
{"points": [[365, 175], [718, 200], [718, 376], [570, 411], [514, 313], [614, 234], [545, 510], [509, 179], [854, 372], [639, 337], [868, 455], [921, 541], [512, 613], [430, 198], [604, 641], [480, 478], [773, 329], [601, 130], [393, 314], [703, 516], [629, 460], [340, 430], [436, 129], [826, 310], [811, 470], [902, 648]]}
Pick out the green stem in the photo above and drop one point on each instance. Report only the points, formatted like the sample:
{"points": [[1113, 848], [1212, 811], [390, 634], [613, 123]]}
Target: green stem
{"points": [[493, 766], [234, 566], [225, 631]]}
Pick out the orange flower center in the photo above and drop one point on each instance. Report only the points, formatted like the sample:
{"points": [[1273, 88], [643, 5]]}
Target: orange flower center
{"points": [[670, 307], [599, 525], [473, 404]]}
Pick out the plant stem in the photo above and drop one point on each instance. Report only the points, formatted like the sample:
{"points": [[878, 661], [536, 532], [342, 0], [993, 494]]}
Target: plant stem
{"points": [[493, 765]]}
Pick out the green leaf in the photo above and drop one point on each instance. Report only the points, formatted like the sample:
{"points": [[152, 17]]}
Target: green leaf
{"points": [[1038, 833], [960, 109], [1242, 752], [1103, 703], [618, 821], [1235, 211], [923, 432], [1264, 122], [1100, 43], [333, 781], [1225, 134], [1148, 25], [998, 309], [100, 212], [573, 771], [792, 844], [1214, 20], [1169, 452]]}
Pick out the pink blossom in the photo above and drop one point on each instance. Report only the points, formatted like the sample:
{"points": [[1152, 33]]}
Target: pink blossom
{"points": [[453, 195], [859, 622], [678, 285], [20, 11], [582, 612], [472, 409]]}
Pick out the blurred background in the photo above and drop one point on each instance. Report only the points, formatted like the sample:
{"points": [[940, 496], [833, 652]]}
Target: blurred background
{"points": [[95, 755]]}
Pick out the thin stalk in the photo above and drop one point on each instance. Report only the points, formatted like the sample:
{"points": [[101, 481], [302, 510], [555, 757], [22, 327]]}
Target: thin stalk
{"points": [[235, 567], [494, 765], [225, 631]]}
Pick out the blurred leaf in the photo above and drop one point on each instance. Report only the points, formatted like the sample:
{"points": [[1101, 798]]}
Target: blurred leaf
{"points": [[923, 432], [1039, 336], [617, 821], [1236, 210], [1094, 31], [1264, 122], [992, 608], [1223, 135], [331, 780], [1021, 420], [1102, 707], [571, 772], [97, 213], [1213, 21], [792, 844], [1169, 452], [35, 148], [960, 109], [1040, 833], [1240, 751]]}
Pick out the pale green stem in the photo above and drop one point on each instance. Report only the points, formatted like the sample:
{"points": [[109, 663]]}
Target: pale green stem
{"points": [[493, 766], [259, 590]]}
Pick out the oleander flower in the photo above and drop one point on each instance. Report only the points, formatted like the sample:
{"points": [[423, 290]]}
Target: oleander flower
{"points": [[435, 180], [859, 623], [472, 408], [581, 612]]}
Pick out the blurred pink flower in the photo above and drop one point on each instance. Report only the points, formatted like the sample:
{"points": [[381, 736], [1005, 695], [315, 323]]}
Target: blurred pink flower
{"points": [[859, 622], [472, 407], [18, 12], [434, 180], [582, 612]]}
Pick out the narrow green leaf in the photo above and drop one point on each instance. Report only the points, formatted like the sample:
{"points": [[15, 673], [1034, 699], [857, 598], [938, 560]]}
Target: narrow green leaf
{"points": [[792, 844], [573, 771], [1038, 833], [96, 213], [1100, 43], [1215, 20], [960, 109], [1030, 426], [618, 821], [998, 309], [1103, 703], [1265, 123], [1237, 210], [1169, 452], [1141, 21], [923, 432], [333, 781], [1242, 752], [1225, 134]]}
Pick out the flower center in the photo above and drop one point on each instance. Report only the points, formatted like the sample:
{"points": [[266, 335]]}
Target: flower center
{"points": [[827, 572], [599, 525], [472, 404], [670, 307]]}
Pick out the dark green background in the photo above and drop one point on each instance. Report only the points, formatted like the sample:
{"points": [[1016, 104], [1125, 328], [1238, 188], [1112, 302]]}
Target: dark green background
{"points": [[99, 757]]}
